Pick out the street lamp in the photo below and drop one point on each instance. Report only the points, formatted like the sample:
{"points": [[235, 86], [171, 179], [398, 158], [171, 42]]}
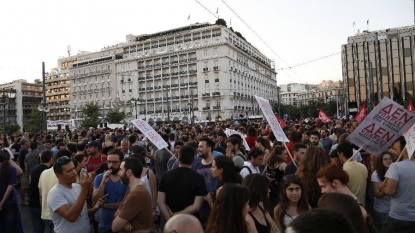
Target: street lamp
{"points": [[208, 106], [190, 112], [4, 100], [135, 101], [218, 108]]}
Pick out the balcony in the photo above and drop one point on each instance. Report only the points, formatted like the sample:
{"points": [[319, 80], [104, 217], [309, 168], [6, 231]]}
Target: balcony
{"points": [[129, 80], [174, 74], [142, 112], [158, 99], [204, 95], [184, 84], [183, 60], [122, 80], [141, 89], [216, 68], [183, 73], [192, 59], [175, 85], [158, 111], [149, 77], [216, 107], [150, 100], [216, 94], [174, 62], [142, 100], [192, 71], [149, 88], [150, 112], [165, 63], [206, 69], [157, 76], [166, 86], [193, 84], [175, 97], [205, 108]]}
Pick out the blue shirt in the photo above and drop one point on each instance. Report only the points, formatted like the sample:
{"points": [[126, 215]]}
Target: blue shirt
{"points": [[116, 192], [204, 170]]}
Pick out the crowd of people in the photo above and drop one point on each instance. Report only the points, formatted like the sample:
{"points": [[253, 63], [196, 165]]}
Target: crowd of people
{"points": [[205, 180]]}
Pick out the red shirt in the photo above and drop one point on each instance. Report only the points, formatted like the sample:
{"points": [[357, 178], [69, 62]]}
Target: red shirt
{"points": [[251, 141], [93, 163]]}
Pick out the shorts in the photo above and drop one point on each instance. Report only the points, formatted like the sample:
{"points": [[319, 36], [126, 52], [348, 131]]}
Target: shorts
{"points": [[24, 182]]}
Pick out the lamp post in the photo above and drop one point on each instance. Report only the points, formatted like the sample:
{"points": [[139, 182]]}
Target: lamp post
{"points": [[218, 108], [135, 102], [208, 106], [190, 105]]}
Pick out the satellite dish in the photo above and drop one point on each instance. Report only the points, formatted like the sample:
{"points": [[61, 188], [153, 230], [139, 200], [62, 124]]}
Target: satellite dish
{"points": [[46, 109], [40, 108]]}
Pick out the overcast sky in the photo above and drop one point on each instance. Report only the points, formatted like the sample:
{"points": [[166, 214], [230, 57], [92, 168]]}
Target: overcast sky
{"points": [[296, 30]]}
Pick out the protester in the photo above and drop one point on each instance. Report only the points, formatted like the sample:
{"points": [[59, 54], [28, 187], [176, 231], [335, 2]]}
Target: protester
{"points": [[24, 179], [258, 217], [132, 214], [293, 202], [255, 157], [263, 144], [95, 156], [325, 140], [230, 210], [310, 165], [79, 161], [251, 136], [346, 206], [183, 223], [299, 153], [382, 202]]}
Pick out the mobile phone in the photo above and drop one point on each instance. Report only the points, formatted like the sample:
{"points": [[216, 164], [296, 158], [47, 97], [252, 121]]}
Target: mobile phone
{"points": [[106, 195]]}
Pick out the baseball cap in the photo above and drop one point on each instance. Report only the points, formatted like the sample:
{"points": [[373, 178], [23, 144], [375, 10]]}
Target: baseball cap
{"points": [[94, 143]]}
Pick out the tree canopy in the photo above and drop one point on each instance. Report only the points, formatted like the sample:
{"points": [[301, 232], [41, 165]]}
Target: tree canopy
{"points": [[114, 116], [34, 123], [91, 115]]}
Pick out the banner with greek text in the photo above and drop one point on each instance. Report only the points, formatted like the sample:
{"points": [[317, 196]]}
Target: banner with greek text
{"points": [[323, 116], [271, 119], [150, 133], [382, 126]]}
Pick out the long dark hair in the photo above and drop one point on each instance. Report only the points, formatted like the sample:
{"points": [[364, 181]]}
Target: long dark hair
{"points": [[230, 172], [347, 206], [4, 166], [275, 157], [381, 170], [258, 186], [312, 162], [227, 212], [302, 205]]}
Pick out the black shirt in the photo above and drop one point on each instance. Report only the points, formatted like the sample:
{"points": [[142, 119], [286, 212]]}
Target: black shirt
{"points": [[34, 182], [22, 155], [181, 185], [290, 169]]}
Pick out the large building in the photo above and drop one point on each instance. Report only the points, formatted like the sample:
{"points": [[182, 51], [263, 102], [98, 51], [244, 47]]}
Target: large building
{"points": [[18, 98], [325, 92], [57, 85], [202, 70], [378, 64], [289, 92]]}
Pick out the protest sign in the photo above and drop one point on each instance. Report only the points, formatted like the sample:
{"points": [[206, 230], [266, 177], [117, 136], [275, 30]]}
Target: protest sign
{"points": [[150, 133], [271, 119], [382, 126], [53, 125], [361, 115], [410, 140], [230, 132], [323, 116]]}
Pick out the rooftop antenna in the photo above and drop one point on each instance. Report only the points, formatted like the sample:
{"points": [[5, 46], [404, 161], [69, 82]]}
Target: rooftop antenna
{"points": [[69, 50]]}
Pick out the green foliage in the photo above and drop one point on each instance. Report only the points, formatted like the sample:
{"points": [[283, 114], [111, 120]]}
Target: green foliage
{"points": [[221, 22], [91, 115], [306, 111], [114, 116], [34, 123], [11, 129], [240, 35]]}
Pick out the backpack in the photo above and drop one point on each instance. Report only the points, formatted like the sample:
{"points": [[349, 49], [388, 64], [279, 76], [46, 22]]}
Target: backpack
{"points": [[249, 169]]}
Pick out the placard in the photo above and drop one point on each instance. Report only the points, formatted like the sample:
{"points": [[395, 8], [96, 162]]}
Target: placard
{"points": [[382, 127], [410, 141], [150, 133], [271, 119]]}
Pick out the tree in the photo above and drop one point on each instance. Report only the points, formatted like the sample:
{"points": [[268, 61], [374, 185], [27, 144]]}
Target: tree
{"points": [[221, 22], [34, 123], [11, 129], [91, 115], [114, 116]]}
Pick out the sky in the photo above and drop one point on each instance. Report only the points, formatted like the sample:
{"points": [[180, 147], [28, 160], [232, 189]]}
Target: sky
{"points": [[290, 32]]}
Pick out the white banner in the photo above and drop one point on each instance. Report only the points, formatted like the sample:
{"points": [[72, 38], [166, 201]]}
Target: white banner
{"points": [[230, 132], [150, 133], [53, 125], [410, 141], [271, 119], [382, 127]]}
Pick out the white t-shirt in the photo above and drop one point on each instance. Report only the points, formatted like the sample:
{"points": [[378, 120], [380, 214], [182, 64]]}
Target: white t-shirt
{"points": [[245, 171], [381, 205], [61, 195], [403, 200]]}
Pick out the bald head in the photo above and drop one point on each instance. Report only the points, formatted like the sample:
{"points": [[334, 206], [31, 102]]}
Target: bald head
{"points": [[183, 223]]}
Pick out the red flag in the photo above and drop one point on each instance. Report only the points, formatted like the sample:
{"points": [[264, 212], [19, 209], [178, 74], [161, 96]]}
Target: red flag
{"points": [[281, 121], [361, 115], [411, 106], [323, 116]]}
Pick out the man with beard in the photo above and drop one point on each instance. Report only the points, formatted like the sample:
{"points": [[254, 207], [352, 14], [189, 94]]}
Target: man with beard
{"points": [[135, 211], [325, 140], [203, 167], [109, 183], [95, 156], [233, 148], [315, 139], [67, 200]]}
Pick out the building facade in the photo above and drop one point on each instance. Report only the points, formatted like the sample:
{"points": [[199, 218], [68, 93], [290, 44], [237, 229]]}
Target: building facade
{"points": [[18, 99], [201, 71], [378, 64], [57, 84], [290, 92]]}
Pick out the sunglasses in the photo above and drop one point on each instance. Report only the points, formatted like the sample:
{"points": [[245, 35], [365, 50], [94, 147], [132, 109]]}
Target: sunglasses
{"points": [[63, 159]]}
